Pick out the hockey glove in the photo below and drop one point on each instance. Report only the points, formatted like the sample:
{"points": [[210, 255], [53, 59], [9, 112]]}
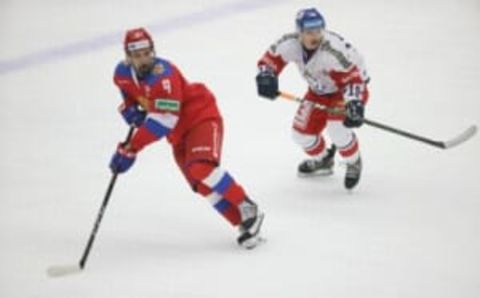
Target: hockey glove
{"points": [[122, 159], [267, 84], [132, 115], [354, 114]]}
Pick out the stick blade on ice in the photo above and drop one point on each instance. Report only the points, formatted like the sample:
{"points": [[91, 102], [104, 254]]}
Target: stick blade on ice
{"points": [[58, 271], [463, 137]]}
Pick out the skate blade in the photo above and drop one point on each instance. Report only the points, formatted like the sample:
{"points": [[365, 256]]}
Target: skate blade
{"points": [[319, 173], [256, 239], [351, 186], [253, 242]]}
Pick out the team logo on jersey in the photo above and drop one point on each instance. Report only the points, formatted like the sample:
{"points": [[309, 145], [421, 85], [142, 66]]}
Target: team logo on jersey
{"points": [[167, 105], [158, 69]]}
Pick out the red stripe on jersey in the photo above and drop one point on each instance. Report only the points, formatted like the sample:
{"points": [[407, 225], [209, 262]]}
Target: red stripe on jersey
{"points": [[275, 62], [342, 78]]}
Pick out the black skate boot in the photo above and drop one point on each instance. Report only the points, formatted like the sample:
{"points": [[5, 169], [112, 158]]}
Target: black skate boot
{"points": [[252, 220], [318, 167], [352, 176]]}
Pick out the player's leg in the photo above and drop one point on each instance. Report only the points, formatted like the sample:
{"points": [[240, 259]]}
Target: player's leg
{"points": [[308, 127], [205, 165], [230, 212], [348, 147], [202, 167], [347, 143]]}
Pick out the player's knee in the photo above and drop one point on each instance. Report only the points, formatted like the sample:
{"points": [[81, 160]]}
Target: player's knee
{"points": [[340, 135], [304, 140], [342, 140], [199, 171]]}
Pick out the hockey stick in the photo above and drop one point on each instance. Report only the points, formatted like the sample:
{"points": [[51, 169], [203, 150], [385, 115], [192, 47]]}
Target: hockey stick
{"points": [[455, 141], [57, 271]]}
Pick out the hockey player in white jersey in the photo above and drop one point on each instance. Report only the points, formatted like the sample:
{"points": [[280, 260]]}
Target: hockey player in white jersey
{"points": [[336, 77]]}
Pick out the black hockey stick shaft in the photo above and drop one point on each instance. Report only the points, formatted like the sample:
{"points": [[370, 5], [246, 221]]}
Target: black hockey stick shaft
{"points": [[403, 133], [98, 220], [372, 123]]}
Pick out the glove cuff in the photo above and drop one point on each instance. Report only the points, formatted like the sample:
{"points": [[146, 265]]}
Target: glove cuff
{"points": [[126, 151], [266, 69]]}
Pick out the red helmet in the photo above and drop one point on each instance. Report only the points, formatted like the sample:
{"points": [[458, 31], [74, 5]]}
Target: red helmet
{"points": [[136, 39]]}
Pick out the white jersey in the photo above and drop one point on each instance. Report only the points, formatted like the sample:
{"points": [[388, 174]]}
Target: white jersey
{"points": [[331, 67]]}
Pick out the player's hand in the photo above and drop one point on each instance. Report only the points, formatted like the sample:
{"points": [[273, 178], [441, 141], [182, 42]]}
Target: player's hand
{"points": [[122, 159], [133, 115], [354, 114], [267, 84]]}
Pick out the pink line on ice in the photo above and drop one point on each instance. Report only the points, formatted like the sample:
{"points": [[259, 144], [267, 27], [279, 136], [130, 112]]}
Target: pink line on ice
{"points": [[103, 41]]}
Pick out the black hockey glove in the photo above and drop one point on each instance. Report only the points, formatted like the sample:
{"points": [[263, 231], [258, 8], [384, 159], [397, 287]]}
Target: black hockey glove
{"points": [[354, 114], [267, 84]]}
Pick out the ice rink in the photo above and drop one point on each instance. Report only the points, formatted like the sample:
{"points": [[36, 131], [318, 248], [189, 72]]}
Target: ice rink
{"points": [[411, 228]]}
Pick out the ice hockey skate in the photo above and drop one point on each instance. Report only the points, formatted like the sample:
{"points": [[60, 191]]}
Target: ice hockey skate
{"points": [[318, 167], [352, 176], [252, 220]]}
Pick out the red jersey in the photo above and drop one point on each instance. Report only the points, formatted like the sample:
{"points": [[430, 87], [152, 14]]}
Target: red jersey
{"points": [[173, 105]]}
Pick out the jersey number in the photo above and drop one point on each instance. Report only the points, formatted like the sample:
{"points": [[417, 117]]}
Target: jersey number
{"points": [[353, 92], [167, 86]]}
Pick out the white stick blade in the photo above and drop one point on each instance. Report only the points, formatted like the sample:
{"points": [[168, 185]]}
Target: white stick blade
{"points": [[58, 271], [463, 137]]}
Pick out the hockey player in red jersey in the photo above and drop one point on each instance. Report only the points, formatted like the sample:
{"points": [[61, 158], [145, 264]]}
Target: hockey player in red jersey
{"points": [[160, 102], [336, 76]]}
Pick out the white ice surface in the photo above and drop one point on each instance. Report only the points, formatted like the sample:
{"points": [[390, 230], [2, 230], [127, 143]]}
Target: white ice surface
{"points": [[411, 229]]}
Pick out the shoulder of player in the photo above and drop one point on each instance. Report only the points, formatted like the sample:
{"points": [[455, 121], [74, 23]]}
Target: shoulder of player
{"points": [[287, 41], [164, 67], [122, 69], [335, 51]]}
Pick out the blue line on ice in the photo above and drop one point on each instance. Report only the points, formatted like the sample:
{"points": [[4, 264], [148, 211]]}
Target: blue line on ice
{"points": [[103, 41]]}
